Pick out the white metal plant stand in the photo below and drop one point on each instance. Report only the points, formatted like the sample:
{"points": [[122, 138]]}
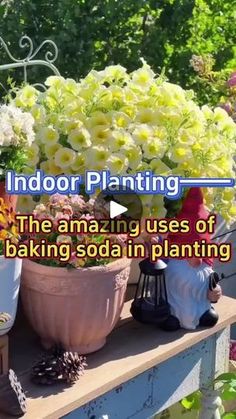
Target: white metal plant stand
{"points": [[30, 59]]}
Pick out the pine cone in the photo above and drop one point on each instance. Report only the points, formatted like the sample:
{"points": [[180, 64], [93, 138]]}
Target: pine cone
{"points": [[71, 366], [58, 366]]}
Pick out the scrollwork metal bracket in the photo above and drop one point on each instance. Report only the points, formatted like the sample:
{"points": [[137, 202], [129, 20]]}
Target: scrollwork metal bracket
{"points": [[25, 41]]}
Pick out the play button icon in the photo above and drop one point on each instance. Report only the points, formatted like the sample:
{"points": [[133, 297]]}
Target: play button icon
{"points": [[119, 202], [116, 209]]}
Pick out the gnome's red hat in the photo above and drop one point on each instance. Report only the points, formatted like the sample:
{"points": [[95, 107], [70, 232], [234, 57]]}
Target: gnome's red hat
{"points": [[192, 210]]}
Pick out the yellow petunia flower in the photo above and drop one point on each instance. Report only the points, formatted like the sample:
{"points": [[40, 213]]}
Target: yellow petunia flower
{"points": [[142, 134], [79, 164], [79, 138], [121, 139], [232, 211], [158, 167], [51, 149], [33, 155], [26, 97], [39, 114], [117, 164], [179, 154], [96, 157], [153, 148], [143, 77], [48, 135], [120, 119], [44, 165], [134, 156], [145, 116], [53, 168], [64, 157], [98, 119], [100, 134]]}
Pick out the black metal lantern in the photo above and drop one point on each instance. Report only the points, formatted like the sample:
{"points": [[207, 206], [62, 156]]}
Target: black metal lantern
{"points": [[150, 303]]}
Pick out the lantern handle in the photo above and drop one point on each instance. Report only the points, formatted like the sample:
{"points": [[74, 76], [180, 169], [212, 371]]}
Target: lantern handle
{"points": [[223, 276], [156, 292], [224, 234]]}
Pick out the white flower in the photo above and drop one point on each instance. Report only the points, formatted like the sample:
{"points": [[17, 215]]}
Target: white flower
{"points": [[16, 127]]}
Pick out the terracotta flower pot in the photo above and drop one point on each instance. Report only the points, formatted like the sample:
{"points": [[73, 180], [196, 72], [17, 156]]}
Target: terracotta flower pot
{"points": [[76, 308], [10, 200]]}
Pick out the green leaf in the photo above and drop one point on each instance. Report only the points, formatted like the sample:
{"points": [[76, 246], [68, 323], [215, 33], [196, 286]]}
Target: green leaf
{"points": [[226, 377], [98, 238], [192, 402], [233, 383], [228, 393], [231, 415]]}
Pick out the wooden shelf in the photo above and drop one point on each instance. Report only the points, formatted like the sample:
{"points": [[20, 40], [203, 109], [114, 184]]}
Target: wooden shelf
{"points": [[130, 350]]}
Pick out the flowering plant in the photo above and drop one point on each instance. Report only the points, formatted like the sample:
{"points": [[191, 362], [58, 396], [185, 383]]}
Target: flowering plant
{"points": [[8, 225], [16, 135], [62, 207], [128, 123], [232, 353], [222, 83]]}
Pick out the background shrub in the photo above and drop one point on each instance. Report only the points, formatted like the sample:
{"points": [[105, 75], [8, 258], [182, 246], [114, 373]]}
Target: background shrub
{"points": [[95, 33]]}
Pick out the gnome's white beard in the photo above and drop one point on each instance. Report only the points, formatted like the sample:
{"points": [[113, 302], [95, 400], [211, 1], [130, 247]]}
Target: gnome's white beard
{"points": [[187, 289]]}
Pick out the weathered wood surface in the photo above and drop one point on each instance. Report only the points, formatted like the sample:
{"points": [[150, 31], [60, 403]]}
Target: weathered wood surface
{"points": [[131, 351], [3, 354]]}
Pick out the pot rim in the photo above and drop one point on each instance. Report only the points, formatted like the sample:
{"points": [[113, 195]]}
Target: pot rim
{"points": [[15, 258], [115, 265]]}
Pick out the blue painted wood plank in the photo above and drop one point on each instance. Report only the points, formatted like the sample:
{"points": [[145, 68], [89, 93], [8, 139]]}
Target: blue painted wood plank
{"points": [[159, 387]]}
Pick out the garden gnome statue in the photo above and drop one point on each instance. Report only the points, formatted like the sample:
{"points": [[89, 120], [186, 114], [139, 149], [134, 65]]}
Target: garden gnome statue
{"points": [[187, 280]]}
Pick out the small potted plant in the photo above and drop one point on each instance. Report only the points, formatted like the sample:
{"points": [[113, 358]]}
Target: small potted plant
{"points": [[10, 270], [77, 303], [16, 138]]}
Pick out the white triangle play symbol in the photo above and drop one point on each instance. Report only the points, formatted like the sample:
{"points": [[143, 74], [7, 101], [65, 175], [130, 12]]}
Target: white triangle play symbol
{"points": [[116, 209]]}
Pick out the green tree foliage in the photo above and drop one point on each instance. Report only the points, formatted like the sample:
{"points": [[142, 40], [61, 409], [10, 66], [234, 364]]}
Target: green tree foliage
{"points": [[95, 33]]}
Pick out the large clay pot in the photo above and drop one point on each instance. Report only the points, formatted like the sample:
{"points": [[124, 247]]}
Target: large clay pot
{"points": [[10, 275], [10, 200], [76, 308]]}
